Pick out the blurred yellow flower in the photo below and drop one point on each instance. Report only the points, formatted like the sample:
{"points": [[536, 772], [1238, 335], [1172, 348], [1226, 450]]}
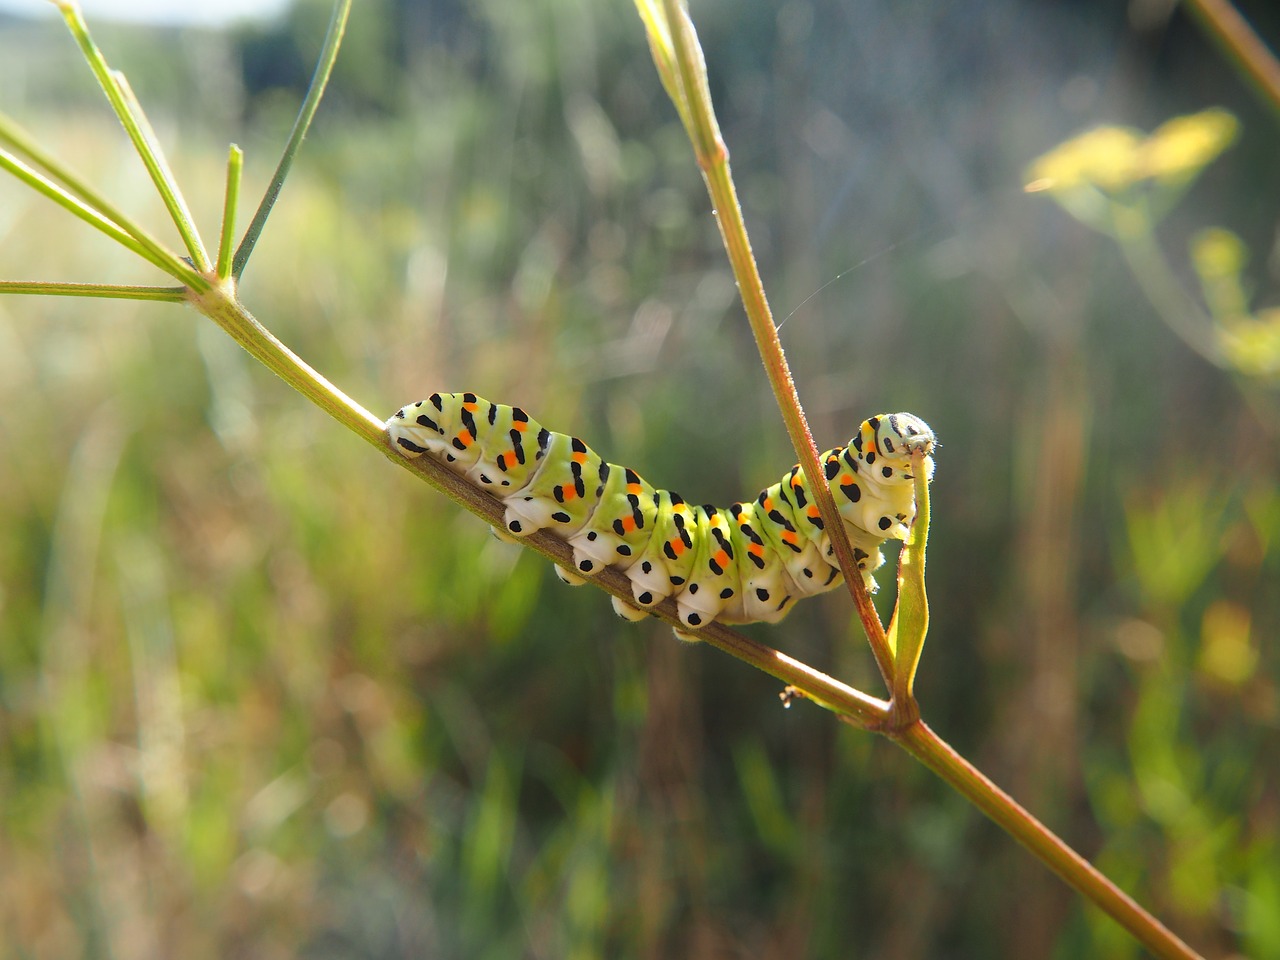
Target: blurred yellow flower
{"points": [[1253, 346], [1185, 145], [1218, 254], [1109, 157], [1115, 158], [1249, 342]]}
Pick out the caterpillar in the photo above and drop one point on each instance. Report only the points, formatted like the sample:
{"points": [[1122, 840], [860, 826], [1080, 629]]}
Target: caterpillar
{"points": [[739, 564]]}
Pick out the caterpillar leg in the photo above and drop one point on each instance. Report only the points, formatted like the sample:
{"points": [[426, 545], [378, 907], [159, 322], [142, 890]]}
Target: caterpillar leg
{"points": [[627, 612], [500, 534], [715, 584], [569, 577], [692, 616], [650, 583], [685, 637]]}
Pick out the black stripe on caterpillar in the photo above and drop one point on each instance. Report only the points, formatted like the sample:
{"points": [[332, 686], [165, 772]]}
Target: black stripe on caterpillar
{"points": [[739, 564]]}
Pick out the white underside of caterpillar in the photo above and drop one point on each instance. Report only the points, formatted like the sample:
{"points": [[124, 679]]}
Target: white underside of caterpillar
{"points": [[739, 564]]}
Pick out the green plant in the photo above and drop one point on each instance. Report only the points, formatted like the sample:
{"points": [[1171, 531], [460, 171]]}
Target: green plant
{"points": [[1122, 185]]}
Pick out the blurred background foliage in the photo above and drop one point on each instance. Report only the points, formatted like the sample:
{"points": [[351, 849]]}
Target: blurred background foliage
{"points": [[262, 695]]}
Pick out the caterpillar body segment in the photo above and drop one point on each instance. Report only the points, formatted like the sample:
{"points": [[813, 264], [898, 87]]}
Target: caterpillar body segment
{"points": [[801, 555], [711, 587], [562, 492], [621, 525], [739, 564], [768, 589], [662, 567]]}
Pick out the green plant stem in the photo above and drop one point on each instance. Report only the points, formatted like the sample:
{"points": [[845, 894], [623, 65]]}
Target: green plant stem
{"points": [[235, 167], [1161, 287], [107, 291], [124, 232], [713, 160], [219, 303], [1242, 44], [20, 141], [319, 80], [927, 747], [135, 123], [220, 306], [162, 176], [73, 194]]}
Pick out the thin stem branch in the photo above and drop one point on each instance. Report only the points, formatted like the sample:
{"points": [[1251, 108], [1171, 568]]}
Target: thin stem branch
{"points": [[134, 121], [162, 175], [235, 168], [145, 247], [22, 143], [319, 81], [220, 306], [71, 184], [690, 95], [107, 291], [1165, 292], [713, 160], [931, 750], [1242, 44]]}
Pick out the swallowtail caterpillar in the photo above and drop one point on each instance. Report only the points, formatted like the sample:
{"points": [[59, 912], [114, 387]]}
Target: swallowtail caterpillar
{"points": [[737, 564]]}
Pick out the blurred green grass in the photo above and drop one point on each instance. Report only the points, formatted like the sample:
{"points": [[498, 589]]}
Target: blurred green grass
{"points": [[261, 694]]}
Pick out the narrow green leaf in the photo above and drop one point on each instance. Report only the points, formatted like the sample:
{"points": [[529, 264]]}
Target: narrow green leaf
{"points": [[658, 30], [23, 144], [910, 620], [235, 167], [129, 112], [694, 105], [319, 80], [108, 291], [162, 176], [147, 249]]}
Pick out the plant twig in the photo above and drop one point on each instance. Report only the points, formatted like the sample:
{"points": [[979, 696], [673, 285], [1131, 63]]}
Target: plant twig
{"points": [[694, 105], [135, 123], [319, 80], [235, 167], [106, 291], [125, 233], [931, 750], [1242, 44], [680, 65], [21, 142], [162, 176]]}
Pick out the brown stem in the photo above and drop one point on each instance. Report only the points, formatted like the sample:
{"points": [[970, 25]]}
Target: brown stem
{"points": [[713, 160], [1241, 43], [927, 747]]}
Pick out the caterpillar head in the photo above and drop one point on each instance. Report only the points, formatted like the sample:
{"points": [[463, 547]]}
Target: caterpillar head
{"points": [[894, 437]]}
